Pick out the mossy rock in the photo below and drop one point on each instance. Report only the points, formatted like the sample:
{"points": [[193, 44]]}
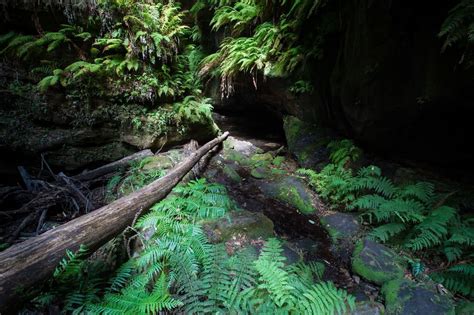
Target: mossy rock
{"points": [[251, 224], [260, 173], [377, 263], [407, 297], [262, 157], [161, 162], [340, 225], [278, 161], [306, 141], [290, 190], [368, 308], [231, 173]]}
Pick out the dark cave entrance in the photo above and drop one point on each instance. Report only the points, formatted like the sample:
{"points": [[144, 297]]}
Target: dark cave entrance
{"points": [[253, 121]]}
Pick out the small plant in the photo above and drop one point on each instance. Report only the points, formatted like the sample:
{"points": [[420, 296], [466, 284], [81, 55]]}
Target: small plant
{"points": [[343, 152], [301, 87], [135, 178]]}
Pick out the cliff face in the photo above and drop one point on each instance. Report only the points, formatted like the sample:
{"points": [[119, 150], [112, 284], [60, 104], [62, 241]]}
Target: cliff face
{"points": [[384, 81], [394, 89]]}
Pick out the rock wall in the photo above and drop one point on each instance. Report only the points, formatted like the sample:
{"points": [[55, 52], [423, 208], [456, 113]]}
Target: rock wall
{"points": [[383, 81]]}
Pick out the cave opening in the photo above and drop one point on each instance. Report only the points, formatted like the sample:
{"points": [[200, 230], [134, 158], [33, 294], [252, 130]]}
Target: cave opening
{"points": [[251, 121]]}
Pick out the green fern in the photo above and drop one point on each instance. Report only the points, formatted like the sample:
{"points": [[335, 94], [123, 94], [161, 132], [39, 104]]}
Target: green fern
{"points": [[432, 230], [458, 278], [458, 29]]}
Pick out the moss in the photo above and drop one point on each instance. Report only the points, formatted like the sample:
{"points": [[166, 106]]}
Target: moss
{"points": [[237, 157], [390, 291], [231, 173], [262, 157], [276, 171], [293, 128], [157, 162], [278, 161], [404, 296], [374, 263], [293, 197], [260, 172], [251, 224], [333, 233]]}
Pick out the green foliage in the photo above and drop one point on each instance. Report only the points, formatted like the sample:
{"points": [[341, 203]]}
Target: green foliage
{"points": [[75, 282], [334, 183], [178, 270], [301, 87], [194, 109], [135, 178], [271, 43], [343, 151], [133, 50], [458, 278], [412, 216], [458, 29]]}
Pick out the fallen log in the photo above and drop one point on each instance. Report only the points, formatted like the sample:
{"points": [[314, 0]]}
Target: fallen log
{"points": [[111, 167], [27, 263]]}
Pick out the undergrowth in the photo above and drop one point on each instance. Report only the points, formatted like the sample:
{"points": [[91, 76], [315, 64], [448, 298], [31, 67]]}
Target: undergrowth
{"points": [[134, 56], [174, 268], [412, 216]]}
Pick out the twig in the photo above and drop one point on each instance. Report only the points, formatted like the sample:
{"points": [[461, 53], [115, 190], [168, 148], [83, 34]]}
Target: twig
{"points": [[41, 221]]}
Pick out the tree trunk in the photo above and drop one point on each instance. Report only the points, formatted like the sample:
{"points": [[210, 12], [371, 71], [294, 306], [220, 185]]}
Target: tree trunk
{"points": [[27, 263], [111, 167]]}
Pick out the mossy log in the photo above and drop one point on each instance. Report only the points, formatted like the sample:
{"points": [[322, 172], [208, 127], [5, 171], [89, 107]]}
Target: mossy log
{"points": [[27, 263]]}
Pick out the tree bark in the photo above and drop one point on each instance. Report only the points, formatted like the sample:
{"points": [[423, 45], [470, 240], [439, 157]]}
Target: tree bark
{"points": [[27, 263], [111, 167]]}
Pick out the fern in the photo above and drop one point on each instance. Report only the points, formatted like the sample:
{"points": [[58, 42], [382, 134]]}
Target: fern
{"points": [[433, 229], [458, 278], [458, 29], [343, 151], [385, 232]]}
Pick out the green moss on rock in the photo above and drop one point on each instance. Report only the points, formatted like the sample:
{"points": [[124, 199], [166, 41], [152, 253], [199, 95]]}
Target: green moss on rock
{"points": [[292, 196], [252, 225], [407, 297], [278, 161], [377, 263], [260, 173], [306, 141], [231, 173], [157, 162]]}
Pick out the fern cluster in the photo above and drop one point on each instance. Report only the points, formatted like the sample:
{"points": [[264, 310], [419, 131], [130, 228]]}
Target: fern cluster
{"points": [[271, 43], [413, 216], [458, 29], [135, 178], [133, 52], [178, 270]]}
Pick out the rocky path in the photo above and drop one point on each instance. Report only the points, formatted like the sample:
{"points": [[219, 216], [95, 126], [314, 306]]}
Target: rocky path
{"points": [[260, 176]]}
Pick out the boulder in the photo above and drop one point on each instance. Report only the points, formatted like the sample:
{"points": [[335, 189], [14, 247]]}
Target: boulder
{"points": [[291, 190], [161, 162], [341, 225], [377, 263], [251, 224], [306, 141], [368, 308], [407, 297]]}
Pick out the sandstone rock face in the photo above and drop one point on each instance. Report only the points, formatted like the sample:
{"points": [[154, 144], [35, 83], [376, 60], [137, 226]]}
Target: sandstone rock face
{"points": [[382, 80]]}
